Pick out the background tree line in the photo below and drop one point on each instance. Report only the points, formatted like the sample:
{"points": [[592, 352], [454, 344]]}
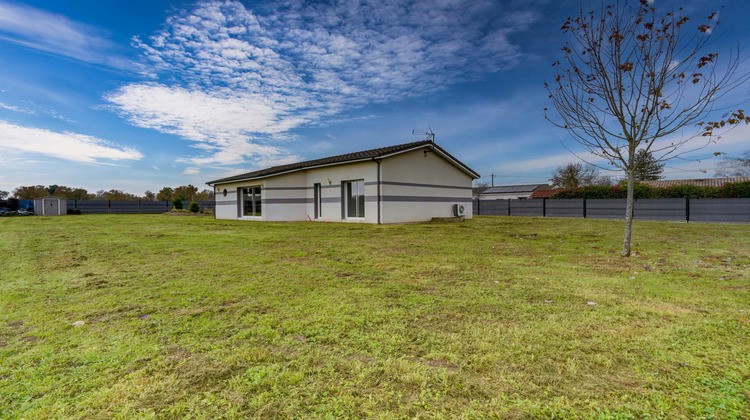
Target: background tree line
{"points": [[184, 192]]}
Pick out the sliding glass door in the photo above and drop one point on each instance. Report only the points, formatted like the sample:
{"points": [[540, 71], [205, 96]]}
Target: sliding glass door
{"points": [[355, 199], [251, 205]]}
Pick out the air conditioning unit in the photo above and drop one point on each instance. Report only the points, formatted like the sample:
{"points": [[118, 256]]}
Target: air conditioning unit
{"points": [[458, 210]]}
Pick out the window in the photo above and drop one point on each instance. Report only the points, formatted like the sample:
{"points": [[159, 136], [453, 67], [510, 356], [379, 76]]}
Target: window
{"points": [[251, 201], [355, 198], [318, 201], [225, 192]]}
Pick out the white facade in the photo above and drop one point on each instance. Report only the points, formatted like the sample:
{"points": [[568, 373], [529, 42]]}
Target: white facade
{"points": [[409, 186]]}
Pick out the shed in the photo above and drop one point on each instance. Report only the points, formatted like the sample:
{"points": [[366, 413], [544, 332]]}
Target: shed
{"points": [[50, 206]]}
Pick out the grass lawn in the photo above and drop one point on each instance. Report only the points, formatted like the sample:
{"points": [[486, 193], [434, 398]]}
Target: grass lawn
{"points": [[493, 317]]}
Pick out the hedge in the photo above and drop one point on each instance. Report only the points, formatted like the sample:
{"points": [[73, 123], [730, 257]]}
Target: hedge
{"points": [[732, 190]]}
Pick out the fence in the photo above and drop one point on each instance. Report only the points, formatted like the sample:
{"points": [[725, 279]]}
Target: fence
{"points": [[129, 206], [735, 210]]}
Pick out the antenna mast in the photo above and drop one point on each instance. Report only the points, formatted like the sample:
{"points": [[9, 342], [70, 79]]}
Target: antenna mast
{"points": [[430, 135]]}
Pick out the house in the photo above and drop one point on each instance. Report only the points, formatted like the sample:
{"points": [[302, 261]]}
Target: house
{"points": [[503, 192], [409, 182], [701, 182]]}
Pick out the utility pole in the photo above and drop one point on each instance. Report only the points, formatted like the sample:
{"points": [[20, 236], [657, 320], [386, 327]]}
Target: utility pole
{"points": [[493, 180]]}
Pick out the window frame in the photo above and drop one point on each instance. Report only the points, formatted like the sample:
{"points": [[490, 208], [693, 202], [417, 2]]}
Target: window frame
{"points": [[345, 200], [318, 200], [257, 202]]}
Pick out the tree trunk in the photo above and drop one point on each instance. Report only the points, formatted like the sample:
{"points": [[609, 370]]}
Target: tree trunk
{"points": [[628, 216]]}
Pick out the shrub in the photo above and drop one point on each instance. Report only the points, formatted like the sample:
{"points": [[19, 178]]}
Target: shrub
{"points": [[194, 207], [736, 190], [177, 203]]}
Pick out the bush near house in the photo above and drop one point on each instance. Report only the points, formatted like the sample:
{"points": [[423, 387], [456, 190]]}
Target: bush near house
{"points": [[194, 207], [177, 203], [731, 190]]}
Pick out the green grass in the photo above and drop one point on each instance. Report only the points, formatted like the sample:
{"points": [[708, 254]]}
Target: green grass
{"points": [[194, 317]]}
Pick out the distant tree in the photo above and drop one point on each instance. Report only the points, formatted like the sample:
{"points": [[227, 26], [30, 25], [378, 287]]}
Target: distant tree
{"points": [[3, 194], [205, 195], [148, 195], [177, 203], [574, 175], [646, 168], [739, 166], [185, 192], [630, 77], [482, 185], [194, 207], [52, 188], [71, 193], [30, 192], [165, 194], [116, 195]]}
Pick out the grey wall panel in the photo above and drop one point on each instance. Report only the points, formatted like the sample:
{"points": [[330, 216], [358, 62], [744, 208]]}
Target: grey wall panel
{"points": [[493, 207], [93, 206], [720, 210], [565, 208], [534, 208], [154, 207], [124, 207], [606, 208], [660, 209]]}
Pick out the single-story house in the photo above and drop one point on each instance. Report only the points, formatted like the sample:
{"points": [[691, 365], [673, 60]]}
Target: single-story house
{"points": [[698, 182], [504, 192], [409, 182]]}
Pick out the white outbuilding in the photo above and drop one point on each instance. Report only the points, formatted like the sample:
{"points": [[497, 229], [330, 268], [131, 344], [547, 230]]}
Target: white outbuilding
{"points": [[409, 182], [50, 206]]}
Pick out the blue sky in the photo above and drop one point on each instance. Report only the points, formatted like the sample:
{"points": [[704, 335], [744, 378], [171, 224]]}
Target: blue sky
{"points": [[143, 94]]}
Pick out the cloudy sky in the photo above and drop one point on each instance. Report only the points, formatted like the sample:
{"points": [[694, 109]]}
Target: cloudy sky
{"points": [[142, 94]]}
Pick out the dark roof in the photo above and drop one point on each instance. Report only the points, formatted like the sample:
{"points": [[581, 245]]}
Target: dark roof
{"points": [[513, 189], [478, 190], [365, 154], [703, 182]]}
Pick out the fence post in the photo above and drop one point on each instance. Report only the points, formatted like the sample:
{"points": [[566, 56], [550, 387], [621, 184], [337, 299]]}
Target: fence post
{"points": [[544, 207], [584, 208], [109, 206], [687, 210], [508, 200], [479, 212]]}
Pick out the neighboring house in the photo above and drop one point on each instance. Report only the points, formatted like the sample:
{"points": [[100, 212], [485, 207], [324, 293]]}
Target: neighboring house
{"points": [[702, 182], [409, 182], [544, 192], [503, 192]]}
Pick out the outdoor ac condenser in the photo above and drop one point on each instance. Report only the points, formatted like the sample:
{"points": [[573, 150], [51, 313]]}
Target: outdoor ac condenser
{"points": [[458, 210]]}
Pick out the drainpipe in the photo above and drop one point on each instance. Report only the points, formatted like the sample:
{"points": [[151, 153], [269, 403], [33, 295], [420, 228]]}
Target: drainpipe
{"points": [[378, 162]]}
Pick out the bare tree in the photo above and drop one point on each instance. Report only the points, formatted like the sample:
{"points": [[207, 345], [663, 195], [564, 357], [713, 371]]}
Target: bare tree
{"points": [[630, 77], [574, 175], [731, 167]]}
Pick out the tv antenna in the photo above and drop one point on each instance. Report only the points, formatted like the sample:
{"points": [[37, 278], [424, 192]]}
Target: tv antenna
{"points": [[429, 134]]}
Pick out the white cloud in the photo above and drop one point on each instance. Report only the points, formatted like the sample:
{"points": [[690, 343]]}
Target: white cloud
{"points": [[191, 171], [56, 34], [249, 76], [156, 168], [16, 109], [68, 146]]}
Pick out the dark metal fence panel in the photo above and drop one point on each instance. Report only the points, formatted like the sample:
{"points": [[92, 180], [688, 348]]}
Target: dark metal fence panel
{"points": [[494, 207], [71, 204], [152, 207], [534, 208], [206, 205], [720, 210], [93, 206], [475, 207], [124, 207], [606, 208], [565, 208], [660, 209]]}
